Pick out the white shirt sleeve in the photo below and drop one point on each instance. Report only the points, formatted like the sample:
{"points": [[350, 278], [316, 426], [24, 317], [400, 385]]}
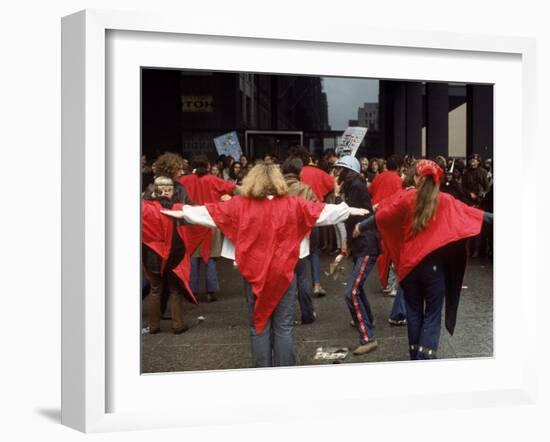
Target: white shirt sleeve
{"points": [[333, 214], [198, 215]]}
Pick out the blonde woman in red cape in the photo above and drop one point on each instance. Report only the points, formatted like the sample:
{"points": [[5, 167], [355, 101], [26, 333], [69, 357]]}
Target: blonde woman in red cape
{"points": [[425, 232], [266, 232]]}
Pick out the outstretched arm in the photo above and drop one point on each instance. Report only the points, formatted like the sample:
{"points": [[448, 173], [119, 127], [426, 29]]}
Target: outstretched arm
{"points": [[369, 223], [193, 215], [337, 213]]}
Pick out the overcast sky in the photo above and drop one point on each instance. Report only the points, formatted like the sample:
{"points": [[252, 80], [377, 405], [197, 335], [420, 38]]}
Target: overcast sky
{"points": [[345, 96]]}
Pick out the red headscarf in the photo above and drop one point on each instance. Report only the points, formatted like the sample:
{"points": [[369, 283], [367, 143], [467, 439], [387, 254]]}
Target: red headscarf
{"points": [[428, 167]]}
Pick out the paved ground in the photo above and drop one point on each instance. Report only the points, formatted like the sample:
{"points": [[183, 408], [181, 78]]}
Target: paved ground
{"points": [[221, 340]]}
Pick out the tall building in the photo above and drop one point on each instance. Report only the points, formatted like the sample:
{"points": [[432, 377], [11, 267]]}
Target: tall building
{"points": [[183, 111], [367, 116]]}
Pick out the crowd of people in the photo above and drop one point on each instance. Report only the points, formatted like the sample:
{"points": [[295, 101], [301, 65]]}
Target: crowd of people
{"points": [[415, 220]]}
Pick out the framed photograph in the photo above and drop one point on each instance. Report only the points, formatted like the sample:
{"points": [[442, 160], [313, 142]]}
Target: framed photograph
{"points": [[116, 70]]}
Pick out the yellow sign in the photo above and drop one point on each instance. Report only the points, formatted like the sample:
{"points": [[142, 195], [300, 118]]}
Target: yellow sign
{"points": [[191, 103]]}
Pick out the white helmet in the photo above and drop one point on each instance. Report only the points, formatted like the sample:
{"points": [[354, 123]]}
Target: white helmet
{"points": [[349, 162]]}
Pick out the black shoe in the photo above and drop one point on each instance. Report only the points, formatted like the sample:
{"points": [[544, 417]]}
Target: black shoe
{"points": [[211, 297]]}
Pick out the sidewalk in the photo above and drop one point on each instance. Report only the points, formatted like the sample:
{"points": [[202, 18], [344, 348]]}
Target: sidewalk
{"points": [[221, 340]]}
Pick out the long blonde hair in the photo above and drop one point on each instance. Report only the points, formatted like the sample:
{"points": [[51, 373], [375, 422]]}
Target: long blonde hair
{"points": [[263, 180], [427, 197]]}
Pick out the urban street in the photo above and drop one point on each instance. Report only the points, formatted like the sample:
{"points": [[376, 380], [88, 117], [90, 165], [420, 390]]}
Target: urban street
{"points": [[218, 338]]}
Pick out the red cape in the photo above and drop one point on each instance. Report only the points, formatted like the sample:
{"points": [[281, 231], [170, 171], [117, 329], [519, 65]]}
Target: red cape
{"points": [[384, 186], [321, 182], [452, 221], [267, 235], [156, 233], [202, 190]]}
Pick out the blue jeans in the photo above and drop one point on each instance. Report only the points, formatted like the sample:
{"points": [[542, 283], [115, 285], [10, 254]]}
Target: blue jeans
{"points": [[356, 299], [424, 295], [212, 285], [304, 292], [314, 255], [399, 310], [274, 346]]}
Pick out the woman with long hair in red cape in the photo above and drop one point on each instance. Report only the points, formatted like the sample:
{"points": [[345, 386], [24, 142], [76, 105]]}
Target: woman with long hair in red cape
{"points": [[425, 232]]}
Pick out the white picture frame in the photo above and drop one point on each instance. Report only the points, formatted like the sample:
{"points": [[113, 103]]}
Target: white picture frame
{"points": [[87, 213]]}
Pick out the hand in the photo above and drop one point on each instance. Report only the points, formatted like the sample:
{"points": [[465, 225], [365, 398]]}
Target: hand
{"points": [[355, 211], [225, 197], [356, 231], [473, 196]]}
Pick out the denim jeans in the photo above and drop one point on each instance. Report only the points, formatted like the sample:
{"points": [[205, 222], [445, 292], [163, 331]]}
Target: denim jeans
{"points": [[399, 310], [212, 285], [356, 298], [304, 292], [274, 346], [314, 256], [424, 290]]}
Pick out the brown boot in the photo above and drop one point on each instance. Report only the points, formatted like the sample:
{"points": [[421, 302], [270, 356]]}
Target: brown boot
{"points": [[176, 309], [153, 303], [366, 348]]}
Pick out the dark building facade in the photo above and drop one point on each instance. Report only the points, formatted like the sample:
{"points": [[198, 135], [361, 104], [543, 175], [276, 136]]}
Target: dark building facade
{"points": [[418, 118], [183, 111]]}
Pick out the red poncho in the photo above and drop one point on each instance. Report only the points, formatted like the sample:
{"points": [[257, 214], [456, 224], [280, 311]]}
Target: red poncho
{"points": [[320, 181], [156, 233], [267, 235], [384, 186], [202, 190], [453, 220]]}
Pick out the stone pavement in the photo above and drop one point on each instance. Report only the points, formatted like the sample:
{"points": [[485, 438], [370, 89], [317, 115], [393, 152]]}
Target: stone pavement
{"points": [[221, 341]]}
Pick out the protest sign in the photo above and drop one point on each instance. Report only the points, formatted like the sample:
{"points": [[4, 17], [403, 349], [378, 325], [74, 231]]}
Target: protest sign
{"points": [[228, 144], [350, 141]]}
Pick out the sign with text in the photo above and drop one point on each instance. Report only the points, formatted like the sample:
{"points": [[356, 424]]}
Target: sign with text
{"points": [[193, 103], [228, 144], [350, 141]]}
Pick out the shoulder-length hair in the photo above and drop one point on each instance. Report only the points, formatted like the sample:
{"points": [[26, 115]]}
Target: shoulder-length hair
{"points": [[263, 180]]}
